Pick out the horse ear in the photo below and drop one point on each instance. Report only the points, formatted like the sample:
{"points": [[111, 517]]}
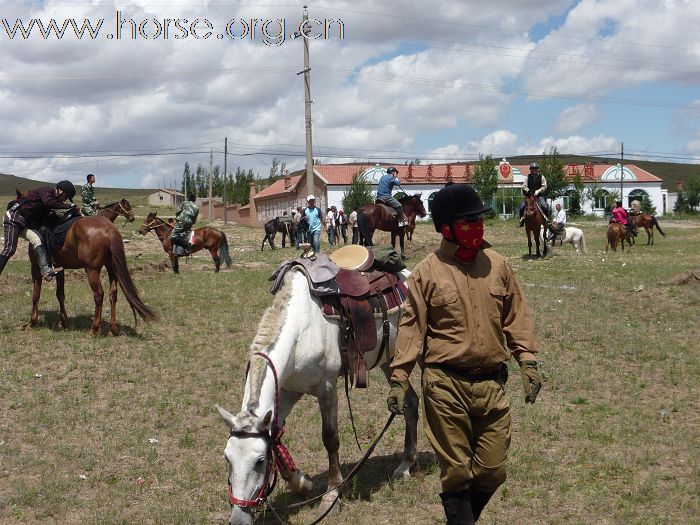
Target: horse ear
{"points": [[225, 415], [265, 422]]}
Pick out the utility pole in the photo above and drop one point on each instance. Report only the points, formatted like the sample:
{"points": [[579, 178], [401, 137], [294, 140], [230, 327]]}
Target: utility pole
{"points": [[622, 170], [211, 168], [307, 106], [225, 172]]}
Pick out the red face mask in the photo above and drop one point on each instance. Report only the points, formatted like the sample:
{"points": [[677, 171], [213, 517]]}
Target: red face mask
{"points": [[469, 236]]}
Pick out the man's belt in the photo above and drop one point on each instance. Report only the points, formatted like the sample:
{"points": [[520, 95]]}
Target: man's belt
{"points": [[474, 374]]}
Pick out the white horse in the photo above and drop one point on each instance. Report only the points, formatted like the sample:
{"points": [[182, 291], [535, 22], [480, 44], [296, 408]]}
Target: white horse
{"points": [[573, 236], [302, 347]]}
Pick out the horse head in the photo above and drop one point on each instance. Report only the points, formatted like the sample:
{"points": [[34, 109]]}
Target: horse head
{"points": [[415, 204], [249, 457], [530, 205], [127, 209], [149, 223]]}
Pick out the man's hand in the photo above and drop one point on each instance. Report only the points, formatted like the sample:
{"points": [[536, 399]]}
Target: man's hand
{"points": [[397, 395], [532, 382], [537, 192]]}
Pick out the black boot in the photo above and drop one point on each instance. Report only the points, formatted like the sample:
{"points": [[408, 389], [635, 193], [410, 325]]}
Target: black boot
{"points": [[478, 501], [42, 258], [458, 508], [3, 262]]}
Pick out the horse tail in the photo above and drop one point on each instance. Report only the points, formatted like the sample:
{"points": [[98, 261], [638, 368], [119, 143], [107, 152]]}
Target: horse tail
{"points": [[121, 271], [612, 238], [223, 247], [654, 222]]}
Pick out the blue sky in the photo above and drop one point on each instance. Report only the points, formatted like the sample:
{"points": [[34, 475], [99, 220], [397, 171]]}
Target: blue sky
{"points": [[440, 81]]}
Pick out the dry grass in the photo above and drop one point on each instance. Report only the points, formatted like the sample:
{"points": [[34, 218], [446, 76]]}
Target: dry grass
{"points": [[613, 437]]}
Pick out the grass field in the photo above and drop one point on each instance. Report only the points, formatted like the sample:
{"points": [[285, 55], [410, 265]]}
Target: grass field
{"points": [[123, 430]]}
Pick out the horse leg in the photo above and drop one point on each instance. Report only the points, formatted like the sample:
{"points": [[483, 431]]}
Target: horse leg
{"points": [[297, 481], [217, 260], [403, 254], [98, 294], [650, 235], [328, 403], [61, 296], [529, 244], [410, 414], [113, 330], [36, 295]]}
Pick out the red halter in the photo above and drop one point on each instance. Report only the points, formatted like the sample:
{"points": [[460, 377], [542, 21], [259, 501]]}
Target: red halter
{"points": [[277, 454]]}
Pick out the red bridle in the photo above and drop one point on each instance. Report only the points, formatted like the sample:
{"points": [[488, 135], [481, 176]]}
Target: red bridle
{"points": [[277, 454]]}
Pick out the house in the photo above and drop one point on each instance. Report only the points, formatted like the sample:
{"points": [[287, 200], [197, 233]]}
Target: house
{"points": [[165, 197]]}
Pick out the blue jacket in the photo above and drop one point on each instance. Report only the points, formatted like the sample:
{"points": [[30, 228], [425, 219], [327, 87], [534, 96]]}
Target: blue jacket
{"points": [[386, 184]]}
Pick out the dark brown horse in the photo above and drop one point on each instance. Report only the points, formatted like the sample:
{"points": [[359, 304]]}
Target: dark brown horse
{"points": [[206, 237], [91, 243], [115, 209], [617, 233], [534, 225], [286, 228], [373, 217], [647, 222]]}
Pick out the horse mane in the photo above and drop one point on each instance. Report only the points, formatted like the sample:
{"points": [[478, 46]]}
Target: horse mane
{"points": [[407, 198], [268, 331]]}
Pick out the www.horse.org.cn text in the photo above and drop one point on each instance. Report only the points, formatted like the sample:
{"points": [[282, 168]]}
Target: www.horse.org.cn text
{"points": [[269, 31]]}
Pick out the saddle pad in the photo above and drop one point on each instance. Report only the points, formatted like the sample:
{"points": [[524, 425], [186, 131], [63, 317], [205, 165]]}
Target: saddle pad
{"points": [[388, 208], [55, 237]]}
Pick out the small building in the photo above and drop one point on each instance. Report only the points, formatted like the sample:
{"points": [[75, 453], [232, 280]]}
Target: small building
{"points": [[165, 197]]}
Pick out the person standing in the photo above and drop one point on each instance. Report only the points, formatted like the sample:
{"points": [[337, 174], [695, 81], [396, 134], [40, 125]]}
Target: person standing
{"points": [[312, 215], [89, 204], [26, 215], [385, 186], [464, 304], [353, 225], [185, 218], [343, 225], [330, 225], [298, 227]]}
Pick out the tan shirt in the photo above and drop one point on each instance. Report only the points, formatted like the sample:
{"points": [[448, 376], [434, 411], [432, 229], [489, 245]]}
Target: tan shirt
{"points": [[463, 313]]}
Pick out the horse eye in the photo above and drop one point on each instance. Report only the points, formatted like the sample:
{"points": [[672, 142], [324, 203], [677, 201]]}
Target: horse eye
{"points": [[260, 461]]}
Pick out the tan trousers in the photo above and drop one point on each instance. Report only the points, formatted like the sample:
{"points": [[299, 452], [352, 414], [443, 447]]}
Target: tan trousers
{"points": [[468, 426]]}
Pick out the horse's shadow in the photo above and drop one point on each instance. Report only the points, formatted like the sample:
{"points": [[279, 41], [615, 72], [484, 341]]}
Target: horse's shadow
{"points": [[374, 474], [81, 323]]}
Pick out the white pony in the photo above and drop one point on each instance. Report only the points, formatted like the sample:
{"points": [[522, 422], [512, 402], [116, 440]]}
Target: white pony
{"points": [[573, 236], [302, 350]]}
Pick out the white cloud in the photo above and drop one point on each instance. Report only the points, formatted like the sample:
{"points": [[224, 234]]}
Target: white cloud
{"points": [[575, 118], [498, 143]]}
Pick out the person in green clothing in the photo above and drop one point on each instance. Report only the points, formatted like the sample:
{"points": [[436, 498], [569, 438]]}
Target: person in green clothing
{"points": [[185, 217], [465, 316], [89, 204]]}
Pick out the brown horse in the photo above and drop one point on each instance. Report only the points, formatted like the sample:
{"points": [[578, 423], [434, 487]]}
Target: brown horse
{"points": [[373, 217], [617, 233], [534, 225], [647, 222], [115, 209], [91, 243], [206, 237]]}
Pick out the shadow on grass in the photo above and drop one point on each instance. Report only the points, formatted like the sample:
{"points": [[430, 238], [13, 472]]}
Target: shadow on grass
{"points": [[81, 323], [372, 476]]}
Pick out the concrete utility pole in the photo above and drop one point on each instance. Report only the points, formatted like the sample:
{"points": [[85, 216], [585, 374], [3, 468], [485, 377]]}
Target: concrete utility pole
{"points": [[211, 168], [622, 170], [307, 106], [225, 172]]}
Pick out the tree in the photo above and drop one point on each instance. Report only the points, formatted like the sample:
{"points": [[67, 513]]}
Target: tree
{"points": [[187, 179], [576, 196], [692, 191], [681, 205], [552, 168], [648, 206], [358, 194], [485, 178], [240, 188]]}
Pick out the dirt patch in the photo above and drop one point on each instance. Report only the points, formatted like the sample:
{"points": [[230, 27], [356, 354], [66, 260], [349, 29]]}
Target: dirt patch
{"points": [[691, 277], [149, 267]]}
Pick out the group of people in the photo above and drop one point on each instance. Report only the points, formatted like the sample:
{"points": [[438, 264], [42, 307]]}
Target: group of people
{"points": [[309, 221]]}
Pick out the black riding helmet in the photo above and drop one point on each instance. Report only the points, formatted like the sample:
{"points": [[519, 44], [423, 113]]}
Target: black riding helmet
{"points": [[391, 170], [455, 202], [68, 189]]}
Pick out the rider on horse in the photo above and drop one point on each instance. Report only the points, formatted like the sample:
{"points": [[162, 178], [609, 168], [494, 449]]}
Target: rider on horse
{"points": [[535, 184], [87, 195], [384, 187], [619, 215], [28, 214], [185, 217], [559, 221]]}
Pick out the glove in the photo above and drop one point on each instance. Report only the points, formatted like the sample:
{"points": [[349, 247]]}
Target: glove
{"points": [[532, 382], [397, 395]]}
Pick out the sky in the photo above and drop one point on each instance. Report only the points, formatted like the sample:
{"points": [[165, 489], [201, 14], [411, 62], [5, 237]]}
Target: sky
{"points": [[439, 81]]}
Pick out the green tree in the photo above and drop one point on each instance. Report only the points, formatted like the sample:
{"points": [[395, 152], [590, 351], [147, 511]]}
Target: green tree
{"points": [[692, 191], [358, 194], [648, 206], [681, 205], [485, 178], [576, 196], [552, 168], [187, 179]]}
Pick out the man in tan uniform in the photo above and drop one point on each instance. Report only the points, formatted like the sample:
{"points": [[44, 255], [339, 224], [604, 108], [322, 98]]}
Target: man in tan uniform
{"points": [[464, 303]]}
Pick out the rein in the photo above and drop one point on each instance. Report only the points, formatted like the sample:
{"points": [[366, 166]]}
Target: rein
{"points": [[279, 456]]}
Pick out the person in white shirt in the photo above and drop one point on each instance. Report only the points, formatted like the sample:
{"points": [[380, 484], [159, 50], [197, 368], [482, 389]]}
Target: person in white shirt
{"points": [[330, 226], [353, 223], [559, 221]]}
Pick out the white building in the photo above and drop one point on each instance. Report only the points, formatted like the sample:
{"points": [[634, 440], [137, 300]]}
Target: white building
{"points": [[165, 197]]}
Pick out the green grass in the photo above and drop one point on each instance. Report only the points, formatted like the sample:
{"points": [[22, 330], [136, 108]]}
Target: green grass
{"points": [[613, 437]]}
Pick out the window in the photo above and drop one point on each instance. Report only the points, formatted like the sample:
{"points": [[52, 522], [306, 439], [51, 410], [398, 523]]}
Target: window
{"points": [[603, 200], [566, 198], [636, 195], [160, 197]]}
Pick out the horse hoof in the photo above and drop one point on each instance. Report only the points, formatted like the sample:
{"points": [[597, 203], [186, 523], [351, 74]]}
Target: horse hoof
{"points": [[27, 327], [330, 499], [402, 473], [94, 332], [113, 332], [60, 326]]}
